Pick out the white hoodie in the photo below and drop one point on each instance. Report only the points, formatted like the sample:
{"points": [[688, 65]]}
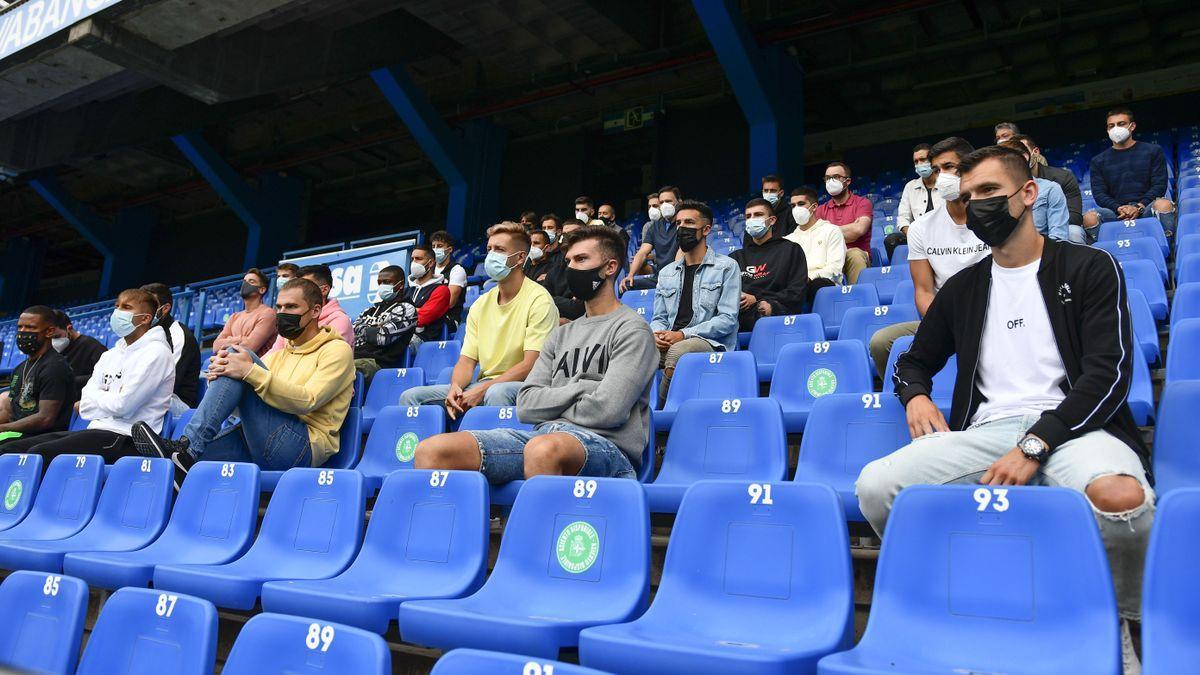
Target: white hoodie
{"points": [[130, 383]]}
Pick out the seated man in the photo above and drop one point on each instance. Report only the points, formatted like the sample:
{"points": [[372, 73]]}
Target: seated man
{"points": [[1005, 131], [822, 241], [383, 331], [542, 260], [774, 270], [42, 386], [132, 382], [184, 347], [82, 352], [285, 272], [852, 214], [697, 297], [292, 403], [332, 314], [920, 196], [772, 191], [428, 292], [569, 307], [1065, 179], [454, 277], [253, 327], [1050, 215], [1044, 367], [506, 328], [1129, 180], [659, 243], [587, 394]]}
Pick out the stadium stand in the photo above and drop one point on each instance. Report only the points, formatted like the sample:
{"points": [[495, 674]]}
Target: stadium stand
{"points": [[41, 621], [142, 630], [291, 644]]}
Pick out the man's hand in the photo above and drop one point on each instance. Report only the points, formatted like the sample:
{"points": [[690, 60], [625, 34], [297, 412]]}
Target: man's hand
{"points": [[627, 282], [665, 338], [924, 417], [474, 396], [747, 301], [1014, 468], [764, 308], [235, 364], [454, 401], [1128, 212]]}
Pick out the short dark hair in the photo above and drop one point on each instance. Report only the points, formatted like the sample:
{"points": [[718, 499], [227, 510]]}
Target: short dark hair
{"points": [[530, 215], [61, 319], [143, 296], [1016, 146], [701, 207], [310, 291], [396, 269], [1120, 110], [427, 248], [1013, 162], [43, 312], [609, 241], [584, 199], [807, 192], [287, 267], [672, 189], [1007, 125], [572, 221], [551, 216], [444, 237], [262, 278], [838, 162], [538, 231], [919, 147], [1027, 139], [958, 146], [161, 293], [771, 178], [759, 201], [652, 195], [321, 273]]}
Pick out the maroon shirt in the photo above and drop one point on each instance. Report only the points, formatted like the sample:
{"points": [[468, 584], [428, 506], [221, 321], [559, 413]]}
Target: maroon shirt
{"points": [[854, 208]]}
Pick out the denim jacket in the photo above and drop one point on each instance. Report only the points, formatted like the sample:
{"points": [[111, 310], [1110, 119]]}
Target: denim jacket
{"points": [[715, 296]]}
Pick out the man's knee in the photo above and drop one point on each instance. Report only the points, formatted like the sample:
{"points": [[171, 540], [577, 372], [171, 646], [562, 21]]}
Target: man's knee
{"points": [[552, 453], [446, 451], [1091, 219], [1162, 205], [501, 394], [1116, 494]]}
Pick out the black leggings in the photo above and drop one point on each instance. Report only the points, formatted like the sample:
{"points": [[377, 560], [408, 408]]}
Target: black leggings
{"points": [[109, 445]]}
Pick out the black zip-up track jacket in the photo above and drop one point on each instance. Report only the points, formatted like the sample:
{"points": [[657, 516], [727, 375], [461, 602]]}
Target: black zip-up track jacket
{"points": [[1085, 295]]}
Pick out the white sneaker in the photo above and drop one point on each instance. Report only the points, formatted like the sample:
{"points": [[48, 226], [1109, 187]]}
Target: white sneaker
{"points": [[1129, 659]]}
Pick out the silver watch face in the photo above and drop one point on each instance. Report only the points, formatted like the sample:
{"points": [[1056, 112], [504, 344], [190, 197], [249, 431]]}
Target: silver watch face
{"points": [[1032, 446]]}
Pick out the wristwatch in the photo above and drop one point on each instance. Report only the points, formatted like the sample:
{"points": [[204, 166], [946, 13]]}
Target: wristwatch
{"points": [[1033, 448]]}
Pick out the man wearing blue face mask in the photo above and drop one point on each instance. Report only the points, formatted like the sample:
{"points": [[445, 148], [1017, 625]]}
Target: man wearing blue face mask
{"points": [[383, 331], [774, 270], [454, 277], [920, 196]]}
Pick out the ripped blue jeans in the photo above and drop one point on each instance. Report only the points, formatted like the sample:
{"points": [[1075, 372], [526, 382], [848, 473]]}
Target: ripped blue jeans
{"points": [[962, 457]]}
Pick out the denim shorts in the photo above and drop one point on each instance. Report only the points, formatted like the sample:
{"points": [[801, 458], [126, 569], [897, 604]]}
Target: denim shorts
{"points": [[503, 452]]}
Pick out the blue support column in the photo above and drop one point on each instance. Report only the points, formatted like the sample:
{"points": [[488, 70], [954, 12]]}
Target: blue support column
{"points": [[22, 270], [769, 88], [470, 163], [272, 212], [124, 243]]}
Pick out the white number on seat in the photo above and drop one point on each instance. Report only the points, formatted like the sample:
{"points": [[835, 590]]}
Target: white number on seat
{"points": [[319, 636], [1124, 243], [80, 461], [789, 320], [438, 478], [820, 347], [325, 478], [760, 491], [166, 605], [227, 470], [506, 413], [145, 466], [21, 459], [1130, 223], [412, 411], [535, 668], [584, 488], [716, 357], [441, 345], [847, 289], [983, 497], [881, 310], [731, 405], [402, 372], [51, 587], [885, 269], [870, 400]]}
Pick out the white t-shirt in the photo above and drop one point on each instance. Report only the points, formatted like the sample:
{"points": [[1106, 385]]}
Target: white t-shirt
{"points": [[948, 246], [1019, 368], [454, 273]]}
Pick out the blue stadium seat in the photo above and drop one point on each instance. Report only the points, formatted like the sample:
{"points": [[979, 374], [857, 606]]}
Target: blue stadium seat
{"points": [[311, 530], [77, 423], [445, 375], [149, 632], [771, 333], [1142, 228], [482, 418], [1171, 589], [1145, 331], [575, 554], [360, 386], [1143, 275], [1001, 576], [1176, 464], [844, 433], [640, 301], [385, 390], [480, 662], [1142, 248], [886, 279], [274, 643], [41, 622], [832, 302], [394, 439], [861, 323], [428, 538], [131, 512], [1141, 391], [1187, 269], [349, 444], [1186, 302], [757, 580], [65, 501], [699, 447], [715, 375], [809, 370], [433, 357], [1188, 223], [178, 422], [212, 523], [943, 381], [899, 256], [1187, 245], [1183, 352], [905, 293], [20, 475]]}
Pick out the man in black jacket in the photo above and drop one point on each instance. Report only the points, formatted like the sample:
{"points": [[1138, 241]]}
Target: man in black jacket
{"points": [[774, 270], [81, 351], [1044, 343]]}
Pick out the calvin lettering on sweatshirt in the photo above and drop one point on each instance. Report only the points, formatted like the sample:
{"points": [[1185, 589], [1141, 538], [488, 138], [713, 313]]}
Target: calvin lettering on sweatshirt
{"points": [[580, 360]]}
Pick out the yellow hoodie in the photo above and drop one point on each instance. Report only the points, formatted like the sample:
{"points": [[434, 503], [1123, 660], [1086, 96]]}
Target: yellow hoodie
{"points": [[314, 381]]}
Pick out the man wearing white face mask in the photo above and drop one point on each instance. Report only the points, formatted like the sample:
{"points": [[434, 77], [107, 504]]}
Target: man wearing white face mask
{"points": [[1129, 180], [774, 270], [453, 275], [772, 191], [920, 196], [659, 238], [850, 212], [822, 241], [431, 296], [585, 210], [81, 351], [383, 331]]}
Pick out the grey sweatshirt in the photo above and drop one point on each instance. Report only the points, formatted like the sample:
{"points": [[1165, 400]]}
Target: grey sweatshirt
{"points": [[595, 373]]}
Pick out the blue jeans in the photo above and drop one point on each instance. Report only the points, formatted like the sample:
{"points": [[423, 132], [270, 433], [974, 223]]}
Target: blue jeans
{"points": [[274, 440], [502, 393], [503, 452]]}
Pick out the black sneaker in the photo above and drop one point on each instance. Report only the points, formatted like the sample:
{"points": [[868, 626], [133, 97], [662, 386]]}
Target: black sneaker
{"points": [[148, 443], [183, 460]]}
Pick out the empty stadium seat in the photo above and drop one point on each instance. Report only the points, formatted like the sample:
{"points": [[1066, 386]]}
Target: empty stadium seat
{"points": [[714, 375], [212, 523], [771, 333], [20, 475], [861, 323], [146, 632], [809, 370], [1183, 352], [274, 643], [1188, 223], [832, 302], [1176, 464], [1145, 331], [1187, 245], [886, 279], [1187, 269], [1186, 302], [349, 444], [393, 441], [65, 501], [640, 301], [1142, 248], [899, 256], [1171, 589], [984, 580], [433, 357], [1143, 275], [757, 580], [1142, 228], [428, 538], [740, 439], [575, 554], [385, 390], [845, 432], [480, 662], [1141, 391], [41, 622], [131, 512], [943, 381], [905, 293], [311, 530], [178, 423]]}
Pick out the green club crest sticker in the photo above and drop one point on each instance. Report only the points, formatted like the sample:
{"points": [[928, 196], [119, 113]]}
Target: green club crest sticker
{"points": [[13, 495], [578, 547], [406, 447], [822, 382]]}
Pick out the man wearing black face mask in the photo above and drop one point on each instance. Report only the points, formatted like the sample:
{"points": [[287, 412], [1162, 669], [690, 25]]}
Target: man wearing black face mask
{"points": [[183, 346], [1045, 350], [42, 387]]}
